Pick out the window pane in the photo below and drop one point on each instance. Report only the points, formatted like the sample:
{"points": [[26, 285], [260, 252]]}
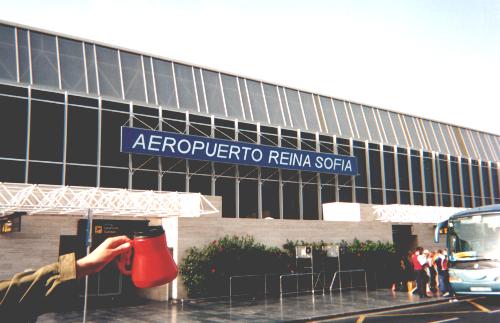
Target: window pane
{"points": [[455, 181], [12, 171], [24, 59], [185, 87], [360, 180], [430, 135], [150, 90], [199, 90], [429, 179], [7, 54], [496, 188], [389, 168], [486, 183], [165, 87], [342, 118], [444, 184], [476, 183], [44, 59], [286, 112], [213, 93], [82, 135], [81, 176], [398, 128], [466, 183], [404, 183], [13, 113], [415, 138], [232, 96], [291, 209], [91, 73], [372, 124], [133, 78], [72, 67], [482, 153], [257, 101], [309, 111], [439, 137], [416, 176], [292, 97], [360, 122], [109, 73], [310, 200], [110, 140], [487, 146], [449, 141], [47, 124], [330, 118], [273, 105], [114, 177], [45, 173]]}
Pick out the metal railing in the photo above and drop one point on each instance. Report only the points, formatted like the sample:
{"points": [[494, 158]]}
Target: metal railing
{"points": [[350, 272], [265, 276], [313, 283]]}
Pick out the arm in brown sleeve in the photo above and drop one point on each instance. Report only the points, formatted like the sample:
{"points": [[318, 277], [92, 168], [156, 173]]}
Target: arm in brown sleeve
{"points": [[29, 293]]}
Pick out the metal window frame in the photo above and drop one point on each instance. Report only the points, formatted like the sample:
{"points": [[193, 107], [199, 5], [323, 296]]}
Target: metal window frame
{"points": [[155, 91], [18, 68], [146, 96], [450, 180], [320, 109], [241, 98], [98, 83], [28, 137], [365, 122], [382, 173], [302, 109], [368, 171], [28, 32], [121, 73], [352, 120], [222, 94], [85, 68], [281, 105], [377, 123], [422, 177], [248, 99], [176, 90], [193, 75], [65, 138], [58, 59], [287, 107], [410, 175], [336, 116], [265, 103], [204, 91]]}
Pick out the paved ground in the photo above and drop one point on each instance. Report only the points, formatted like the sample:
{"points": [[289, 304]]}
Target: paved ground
{"points": [[291, 308], [469, 309]]}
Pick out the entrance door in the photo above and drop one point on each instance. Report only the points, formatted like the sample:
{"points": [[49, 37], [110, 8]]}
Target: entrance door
{"points": [[403, 239]]}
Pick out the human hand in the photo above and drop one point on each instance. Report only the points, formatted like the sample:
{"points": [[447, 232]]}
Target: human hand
{"points": [[102, 255]]}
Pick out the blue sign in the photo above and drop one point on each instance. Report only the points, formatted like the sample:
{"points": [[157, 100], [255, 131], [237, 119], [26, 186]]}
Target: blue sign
{"points": [[168, 144]]}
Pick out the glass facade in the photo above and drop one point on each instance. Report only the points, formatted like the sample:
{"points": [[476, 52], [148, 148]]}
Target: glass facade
{"points": [[73, 138]]}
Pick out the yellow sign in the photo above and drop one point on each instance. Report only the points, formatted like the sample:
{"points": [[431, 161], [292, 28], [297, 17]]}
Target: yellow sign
{"points": [[98, 229]]}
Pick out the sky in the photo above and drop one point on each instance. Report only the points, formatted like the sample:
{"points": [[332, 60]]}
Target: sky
{"points": [[438, 59]]}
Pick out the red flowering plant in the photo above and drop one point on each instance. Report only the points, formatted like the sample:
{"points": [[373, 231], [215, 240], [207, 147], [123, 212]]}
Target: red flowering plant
{"points": [[206, 271]]}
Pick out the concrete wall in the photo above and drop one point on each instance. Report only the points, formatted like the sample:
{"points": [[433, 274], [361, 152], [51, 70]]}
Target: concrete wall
{"points": [[36, 245], [200, 231]]}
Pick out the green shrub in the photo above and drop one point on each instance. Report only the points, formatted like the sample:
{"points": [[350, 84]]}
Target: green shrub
{"points": [[206, 270]]}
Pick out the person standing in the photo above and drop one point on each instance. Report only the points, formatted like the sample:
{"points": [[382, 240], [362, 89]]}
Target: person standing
{"points": [[418, 262], [443, 276], [432, 271]]}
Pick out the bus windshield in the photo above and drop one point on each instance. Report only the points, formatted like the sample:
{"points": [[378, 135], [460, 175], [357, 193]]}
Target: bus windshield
{"points": [[475, 237]]}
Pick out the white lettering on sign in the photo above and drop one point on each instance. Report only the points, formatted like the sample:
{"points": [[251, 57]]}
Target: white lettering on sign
{"points": [[191, 147]]}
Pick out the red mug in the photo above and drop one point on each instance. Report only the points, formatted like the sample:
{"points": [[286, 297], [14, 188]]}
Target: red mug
{"points": [[149, 261]]}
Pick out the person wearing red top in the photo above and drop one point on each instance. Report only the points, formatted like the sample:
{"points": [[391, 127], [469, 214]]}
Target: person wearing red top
{"points": [[419, 261]]}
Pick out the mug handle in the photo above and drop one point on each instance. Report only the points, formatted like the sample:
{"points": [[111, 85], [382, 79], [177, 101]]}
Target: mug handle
{"points": [[124, 262]]}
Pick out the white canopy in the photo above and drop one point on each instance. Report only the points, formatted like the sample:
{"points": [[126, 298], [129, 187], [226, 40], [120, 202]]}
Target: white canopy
{"points": [[56, 199]]}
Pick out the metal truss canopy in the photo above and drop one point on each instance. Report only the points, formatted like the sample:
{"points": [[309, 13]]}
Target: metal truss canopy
{"points": [[55, 199]]}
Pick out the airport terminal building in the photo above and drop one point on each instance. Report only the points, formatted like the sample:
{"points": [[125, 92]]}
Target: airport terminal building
{"points": [[64, 101]]}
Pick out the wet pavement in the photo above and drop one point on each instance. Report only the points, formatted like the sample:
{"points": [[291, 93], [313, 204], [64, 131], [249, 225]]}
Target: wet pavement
{"points": [[290, 308]]}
